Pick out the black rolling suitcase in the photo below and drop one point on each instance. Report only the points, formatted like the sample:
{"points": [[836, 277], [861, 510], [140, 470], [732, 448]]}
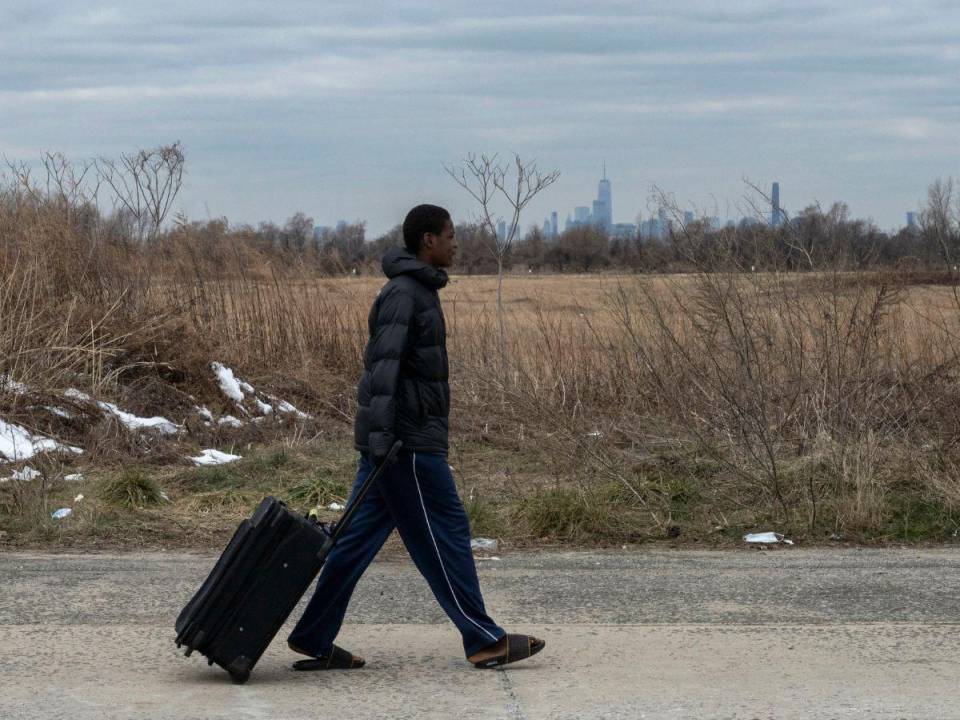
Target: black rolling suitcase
{"points": [[266, 567]]}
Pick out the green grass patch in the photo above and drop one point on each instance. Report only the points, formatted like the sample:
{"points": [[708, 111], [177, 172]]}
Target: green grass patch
{"points": [[914, 518], [131, 488], [577, 514], [320, 488], [485, 519], [225, 502]]}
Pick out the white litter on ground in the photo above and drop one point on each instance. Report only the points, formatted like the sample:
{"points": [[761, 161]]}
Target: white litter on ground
{"points": [[595, 433], [214, 457], [487, 544], [61, 513], [132, 422], [165, 496], [78, 498], [205, 413], [228, 383], [76, 477], [230, 421], [25, 474], [767, 538], [17, 443], [334, 506]]}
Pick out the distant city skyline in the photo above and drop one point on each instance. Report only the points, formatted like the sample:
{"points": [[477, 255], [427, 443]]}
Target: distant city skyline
{"points": [[350, 110], [654, 223]]}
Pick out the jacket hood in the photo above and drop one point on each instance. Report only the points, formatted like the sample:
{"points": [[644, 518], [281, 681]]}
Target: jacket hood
{"points": [[400, 261]]}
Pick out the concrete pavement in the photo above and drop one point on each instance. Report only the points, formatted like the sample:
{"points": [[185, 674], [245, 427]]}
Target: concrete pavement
{"points": [[786, 633]]}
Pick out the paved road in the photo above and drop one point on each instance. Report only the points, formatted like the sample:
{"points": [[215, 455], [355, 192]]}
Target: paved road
{"points": [[790, 633]]}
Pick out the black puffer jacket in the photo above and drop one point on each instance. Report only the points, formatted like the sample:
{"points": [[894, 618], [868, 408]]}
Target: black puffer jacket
{"points": [[403, 392]]}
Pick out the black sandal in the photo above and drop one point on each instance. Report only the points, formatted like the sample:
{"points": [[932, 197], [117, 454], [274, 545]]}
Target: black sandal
{"points": [[338, 659], [519, 647]]}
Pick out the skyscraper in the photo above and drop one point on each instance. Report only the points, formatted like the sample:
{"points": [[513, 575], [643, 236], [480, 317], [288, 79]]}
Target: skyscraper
{"points": [[776, 216], [554, 230], [502, 230], [603, 205]]}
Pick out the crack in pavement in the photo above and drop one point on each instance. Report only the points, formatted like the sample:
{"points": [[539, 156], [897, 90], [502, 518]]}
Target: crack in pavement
{"points": [[513, 702]]}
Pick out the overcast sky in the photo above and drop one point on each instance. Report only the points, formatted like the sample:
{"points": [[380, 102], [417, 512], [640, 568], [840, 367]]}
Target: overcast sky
{"points": [[349, 110]]}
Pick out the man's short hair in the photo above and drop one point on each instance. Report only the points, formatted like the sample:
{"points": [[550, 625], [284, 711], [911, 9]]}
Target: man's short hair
{"points": [[423, 219]]}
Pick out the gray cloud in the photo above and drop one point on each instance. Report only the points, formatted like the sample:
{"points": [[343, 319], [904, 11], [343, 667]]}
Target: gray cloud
{"points": [[350, 109]]}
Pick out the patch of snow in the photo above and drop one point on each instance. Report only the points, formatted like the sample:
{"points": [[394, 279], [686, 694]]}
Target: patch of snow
{"points": [[769, 538], [204, 413], [61, 513], [285, 407], [230, 421], [214, 457], [265, 408], [246, 387], [228, 383], [132, 422], [8, 384], [16, 443], [595, 433], [334, 506], [128, 420], [60, 412], [76, 477]]}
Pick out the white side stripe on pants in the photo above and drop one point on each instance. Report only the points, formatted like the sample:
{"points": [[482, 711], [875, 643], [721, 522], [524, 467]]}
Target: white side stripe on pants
{"points": [[430, 530]]}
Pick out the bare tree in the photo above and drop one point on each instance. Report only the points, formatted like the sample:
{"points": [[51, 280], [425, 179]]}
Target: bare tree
{"points": [[145, 184], [938, 219], [491, 183]]}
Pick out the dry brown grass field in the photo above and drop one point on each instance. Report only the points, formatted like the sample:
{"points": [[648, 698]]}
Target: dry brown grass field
{"points": [[618, 408]]}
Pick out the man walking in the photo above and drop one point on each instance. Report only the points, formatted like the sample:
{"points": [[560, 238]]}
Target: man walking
{"points": [[403, 395]]}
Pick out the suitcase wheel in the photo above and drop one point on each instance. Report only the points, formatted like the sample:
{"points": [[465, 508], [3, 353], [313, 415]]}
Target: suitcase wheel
{"points": [[239, 670]]}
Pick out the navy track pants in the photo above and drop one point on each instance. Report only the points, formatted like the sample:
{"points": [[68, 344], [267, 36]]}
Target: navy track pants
{"points": [[417, 495]]}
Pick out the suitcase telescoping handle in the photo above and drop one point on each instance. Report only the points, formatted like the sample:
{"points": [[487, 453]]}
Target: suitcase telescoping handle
{"points": [[344, 522]]}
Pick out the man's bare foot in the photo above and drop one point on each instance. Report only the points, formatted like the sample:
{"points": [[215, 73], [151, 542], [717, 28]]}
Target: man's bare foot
{"points": [[491, 651]]}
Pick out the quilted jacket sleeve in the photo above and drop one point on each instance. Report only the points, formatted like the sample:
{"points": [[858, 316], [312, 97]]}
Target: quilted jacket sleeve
{"points": [[389, 344]]}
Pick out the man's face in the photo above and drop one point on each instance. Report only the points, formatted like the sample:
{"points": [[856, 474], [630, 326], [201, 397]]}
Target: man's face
{"points": [[439, 250]]}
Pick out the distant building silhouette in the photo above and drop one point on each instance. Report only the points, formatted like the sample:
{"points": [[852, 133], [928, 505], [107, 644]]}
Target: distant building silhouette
{"points": [[603, 205], [912, 222], [554, 230], [502, 231]]}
